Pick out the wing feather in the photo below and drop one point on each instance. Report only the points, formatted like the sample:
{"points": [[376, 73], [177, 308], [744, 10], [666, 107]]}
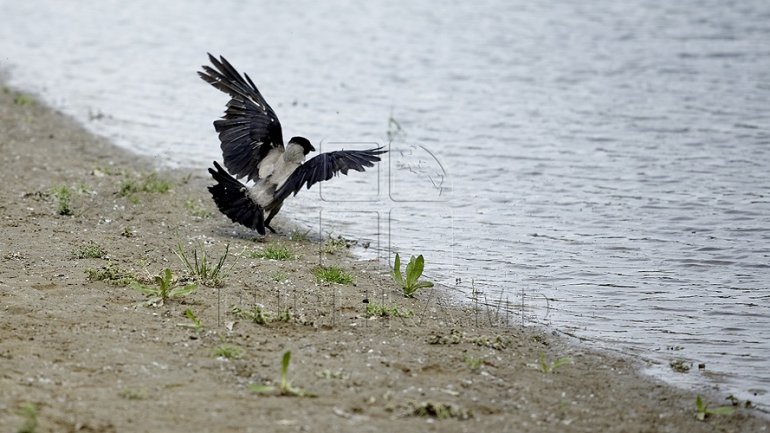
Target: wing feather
{"points": [[249, 129], [325, 166]]}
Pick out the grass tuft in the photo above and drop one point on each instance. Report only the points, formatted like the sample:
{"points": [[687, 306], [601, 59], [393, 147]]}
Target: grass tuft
{"points": [[150, 183], [30, 413], [377, 310], [111, 274], [203, 270], [197, 209], [228, 351], [332, 274], [63, 195], [89, 251], [273, 252], [332, 246]]}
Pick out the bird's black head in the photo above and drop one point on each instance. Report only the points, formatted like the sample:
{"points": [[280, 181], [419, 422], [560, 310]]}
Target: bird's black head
{"points": [[304, 142]]}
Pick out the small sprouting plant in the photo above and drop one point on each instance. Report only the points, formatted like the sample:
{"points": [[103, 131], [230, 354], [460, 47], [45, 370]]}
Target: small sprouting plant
{"points": [[29, 412], [89, 251], [149, 183], [203, 270], [703, 411], [279, 276], [228, 351], [331, 245], [377, 310], [166, 289], [411, 283], [474, 363], [273, 252], [284, 387], [332, 274], [63, 195], [22, 99], [257, 315], [111, 274], [299, 236], [132, 394], [283, 315], [197, 209], [195, 322], [546, 367]]}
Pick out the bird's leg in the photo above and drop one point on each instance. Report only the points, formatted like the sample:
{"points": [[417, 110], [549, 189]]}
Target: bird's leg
{"points": [[270, 217]]}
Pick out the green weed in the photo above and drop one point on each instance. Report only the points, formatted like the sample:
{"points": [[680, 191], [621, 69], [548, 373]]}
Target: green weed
{"points": [[332, 246], [63, 195], [89, 251], [377, 310], [546, 367], [410, 284], [474, 363], [132, 394], [285, 387], [279, 276], [332, 274], [166, 289], [273, 252], [297, 235], [22, 99], [702, 410], [195, 323], [150, 183], [260, 316], [203, 270], [197, 209], [111, 274], [228, 352], [30, 413], [257, 315]]}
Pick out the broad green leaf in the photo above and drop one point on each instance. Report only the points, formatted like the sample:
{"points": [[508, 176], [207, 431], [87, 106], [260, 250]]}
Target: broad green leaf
{"points": [[397, 271], [699, 404], [285, 369], [724, 410], [561, 361], [411, 271], [423, 285], [179, 292], [261, 389], [142, 288]]}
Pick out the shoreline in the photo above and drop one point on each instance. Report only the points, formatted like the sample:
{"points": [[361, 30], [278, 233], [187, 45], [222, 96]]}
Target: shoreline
{"points": [[89, 355]]}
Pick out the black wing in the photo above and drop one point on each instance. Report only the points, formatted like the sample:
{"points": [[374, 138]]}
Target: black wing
{"points": [[325, 166], [232, 199], [249, 129]]}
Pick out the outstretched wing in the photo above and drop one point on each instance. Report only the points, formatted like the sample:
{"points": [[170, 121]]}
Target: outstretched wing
{"points": [[325, 166], [249, 130]]}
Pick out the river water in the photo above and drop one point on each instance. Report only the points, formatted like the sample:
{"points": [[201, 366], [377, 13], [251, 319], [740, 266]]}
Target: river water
{"points": [[603, 164]]}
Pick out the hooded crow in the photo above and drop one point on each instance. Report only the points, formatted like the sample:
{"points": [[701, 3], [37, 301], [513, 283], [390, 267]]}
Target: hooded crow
{"points": [[252, 146]]}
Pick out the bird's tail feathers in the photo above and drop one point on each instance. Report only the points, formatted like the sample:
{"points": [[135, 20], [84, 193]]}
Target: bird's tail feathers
{"points": [[232, 199]]}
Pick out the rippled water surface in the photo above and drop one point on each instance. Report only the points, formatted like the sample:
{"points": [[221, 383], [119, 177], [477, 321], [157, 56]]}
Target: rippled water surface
{"points": [[605, 164]]}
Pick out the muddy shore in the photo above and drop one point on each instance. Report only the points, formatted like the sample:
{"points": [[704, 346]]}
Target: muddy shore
{"points": [[82, 351]]}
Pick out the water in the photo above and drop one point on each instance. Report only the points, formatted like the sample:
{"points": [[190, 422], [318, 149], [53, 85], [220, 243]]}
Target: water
{"points": [[605, 165]]}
